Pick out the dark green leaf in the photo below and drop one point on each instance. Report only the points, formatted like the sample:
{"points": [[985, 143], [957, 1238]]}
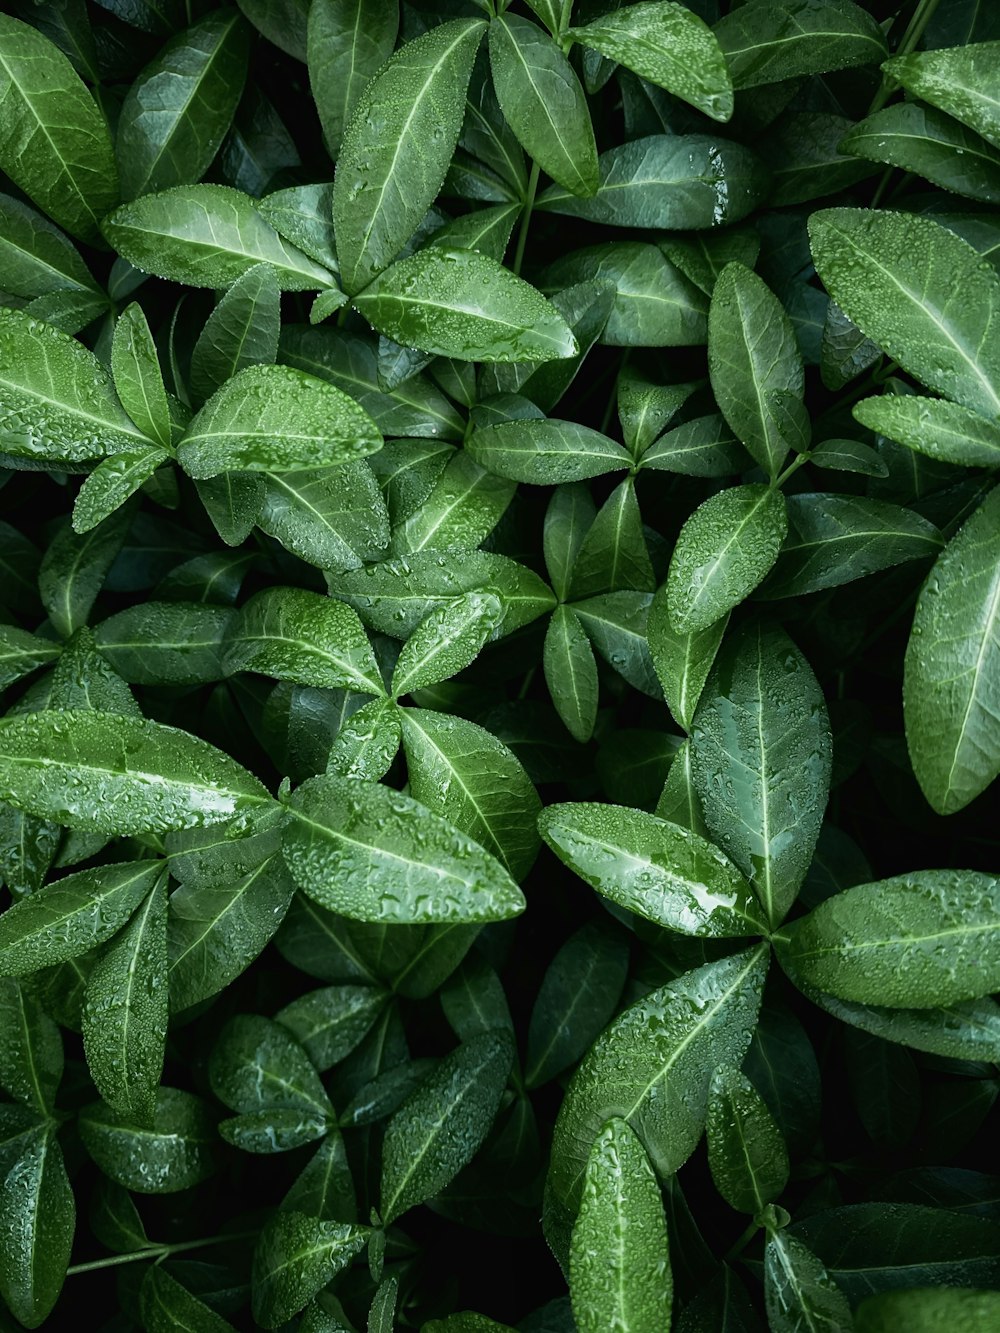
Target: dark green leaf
{"points": [[571, 673], [799, 1293], [348, 42], [37, 1220], [241, 331], [167, 1306], [930, 144], [746, 1151], [933, 427], [960, 81], [174, 1155], [765, 41], [546, 453], [296, 1256]]}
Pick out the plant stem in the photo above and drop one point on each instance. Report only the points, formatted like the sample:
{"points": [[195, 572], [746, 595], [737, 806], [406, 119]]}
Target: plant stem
{"points": [[792, 467], [157, 1252], [922, 15], [742, 1243], [529, 204]]}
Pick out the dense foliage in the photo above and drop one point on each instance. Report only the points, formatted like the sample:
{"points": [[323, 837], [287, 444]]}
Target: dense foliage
{"points": [[501, 651]]}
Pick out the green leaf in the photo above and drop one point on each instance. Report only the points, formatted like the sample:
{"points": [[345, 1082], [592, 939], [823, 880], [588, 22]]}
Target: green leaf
{"points": [[903, 280], [668, 45], [74, 568], [215, 931], [241, 331], [303, 214], [207, 236], [21, 653], [652, 1068], [850, 455], [702, 447], [446, 641], [925, 1309], [348, 42], [275, 419], [918, 941], [752, 356], [463, 304], [543, 103], [233, 501], [834, 539], [397, 148], [282, 22], [31, 1053], [933, 427], [367, 743], [460, 510], [54, 142], [627, 1283], [723, 552], [177, 112], [761, 760], [952, 672], [166, 1306], [746, 1151], [613, 555], [177, 1153], [441, 1126], [58, 403], [468, 777], [799, 1293], [329, 1023], [37, 1220], [615, 623], [571, 673], [766, 41], [370, 853], [575, 1001], [968, 1031], [125, 1012], [678, 802], [113, 482], [332, 517], [473, 1000], [546, 452], [680, 182], [960, 80], [136, 371], [166, 643], [36, 258], [682, 661], [302, 636], [71, 915], [117, 775], [295, 1257], [930, 144], [659, 870], [257, 1065]]}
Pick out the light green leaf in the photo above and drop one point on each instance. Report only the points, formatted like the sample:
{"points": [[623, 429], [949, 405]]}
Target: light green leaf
{"points": [[463, 773], [233, 501], [441, 1126], [951, 682], [74, 568], [112, 482], [72, 915], [613, 555], [746, 1152], [177, 112], [919, 941], [645, 407], [543, 103], [275, 419], [177, 1153], [677, 182], [569, 515], [348, 42], [927, 142], [799, 1293], [904, 281], [852, 456], [761, 760], [21, 653], [215, 931], [702, 447], [241, 331], [58, 401], [546, 452], [933, 427], [397, 148], [332, 517], [571, 673], [125, 1012], [372, 854], [723, 552], [303, 214], [37, 1220], [752, 356], [117, 775], [458, 512], [619, 1263], [166, 643], [767, 41], [367, 743], [446, 641], [682, 661], [463, 304], [293, 634], [295, 1257], [834, 539], [207, 236], [960, 80], [138, 381], [661, 871], [678, 801], [668, 45], [54, 142], [653, 1065]]}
